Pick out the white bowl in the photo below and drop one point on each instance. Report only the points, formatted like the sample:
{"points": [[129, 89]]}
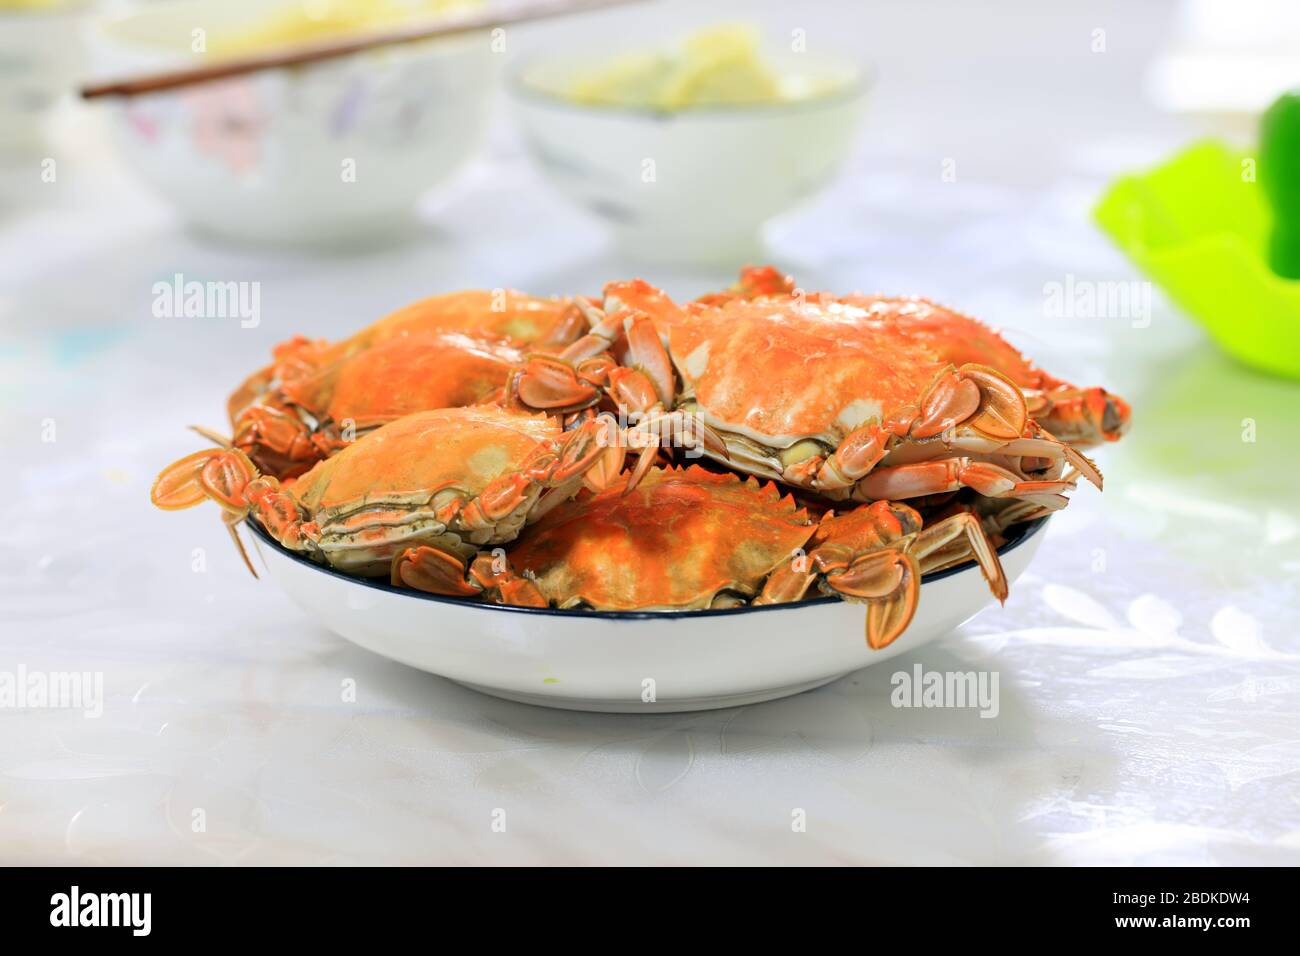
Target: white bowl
{"points": [[694, 185], [601, 661], [40, 53], [332, 151]]}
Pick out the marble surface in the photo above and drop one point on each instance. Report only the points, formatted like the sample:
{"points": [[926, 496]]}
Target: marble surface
{"points": [[1149, 663]]}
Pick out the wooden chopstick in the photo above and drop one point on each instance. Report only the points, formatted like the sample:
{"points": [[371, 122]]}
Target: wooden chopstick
{"points": [[445, 25]]}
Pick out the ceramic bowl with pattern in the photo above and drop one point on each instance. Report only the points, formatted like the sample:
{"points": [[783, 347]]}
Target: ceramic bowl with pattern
{"points": [[332, 151]]}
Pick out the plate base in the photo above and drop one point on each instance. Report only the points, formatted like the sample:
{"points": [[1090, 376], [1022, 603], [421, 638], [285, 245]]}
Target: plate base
{"points": [[637, 706]]}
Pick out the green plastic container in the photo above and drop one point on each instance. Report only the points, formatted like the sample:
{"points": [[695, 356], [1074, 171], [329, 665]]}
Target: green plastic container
{"points": [[1199, 226]]}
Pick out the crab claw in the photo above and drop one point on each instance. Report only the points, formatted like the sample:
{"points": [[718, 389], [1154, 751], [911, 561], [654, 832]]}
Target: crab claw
{"points": [[592, 451], [229, 477], [977, 396], [546, 382], [436, 571], [890, 583], [433, 570], [1085, 416], [646, 354], [221, 474], [226, 475], [276, 439]]}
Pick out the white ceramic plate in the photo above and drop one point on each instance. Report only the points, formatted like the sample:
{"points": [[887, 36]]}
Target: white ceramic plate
{"points": [[626, 661]]}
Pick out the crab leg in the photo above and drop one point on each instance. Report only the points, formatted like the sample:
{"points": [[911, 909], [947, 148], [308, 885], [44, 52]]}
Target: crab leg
{"points": [[571, 327], [576, 377], [1084, 416], [645, 385], [877, 554], [573, 379], [887, 578], [961, 534], [248, 392], [229, 477], [579, 455], [950, 474], [437, 571], [678, 429], [890, 583], [278, 434], [973, 397], [551, 384], [646, 354]]}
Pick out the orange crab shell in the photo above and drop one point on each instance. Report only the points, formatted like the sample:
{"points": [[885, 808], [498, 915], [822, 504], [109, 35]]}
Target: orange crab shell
{"points": [[1084, 416], [867, 528], [408, 462], [678, 540], [404, 375], [783, 371], [522, 320], [503, 315]]}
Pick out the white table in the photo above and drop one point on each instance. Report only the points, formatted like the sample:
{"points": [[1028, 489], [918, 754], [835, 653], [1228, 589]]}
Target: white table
{"points": [[1149, 663]]}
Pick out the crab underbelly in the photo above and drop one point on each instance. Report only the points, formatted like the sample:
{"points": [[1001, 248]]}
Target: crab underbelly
{"points": [[766, 456], [365, 542]]}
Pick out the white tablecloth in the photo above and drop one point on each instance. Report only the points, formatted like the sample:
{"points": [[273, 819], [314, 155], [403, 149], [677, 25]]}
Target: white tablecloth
{"points": [[1149, 664]]}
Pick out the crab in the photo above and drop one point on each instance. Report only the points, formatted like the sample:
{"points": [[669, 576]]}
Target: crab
{"points": [[819, 394], [688, 538], [430, 345], [1081, 416], [456, 479], [308, 418], [754, 281]]}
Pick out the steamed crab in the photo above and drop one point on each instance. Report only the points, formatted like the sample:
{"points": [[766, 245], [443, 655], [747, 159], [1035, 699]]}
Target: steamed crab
{"points": [[454, 479], [444, 351], [691, 538], [308, 418], [1080, 416], [818, 393]]}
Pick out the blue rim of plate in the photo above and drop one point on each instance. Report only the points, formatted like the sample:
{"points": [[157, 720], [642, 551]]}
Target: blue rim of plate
{"points": [[1022, 532]]}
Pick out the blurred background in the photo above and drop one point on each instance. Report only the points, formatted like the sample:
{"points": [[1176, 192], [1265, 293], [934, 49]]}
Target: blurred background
{"points": [[1150, 660]]}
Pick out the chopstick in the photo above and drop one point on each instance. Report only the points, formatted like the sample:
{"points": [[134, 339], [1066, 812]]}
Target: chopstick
{"points": [[445, 25]]}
